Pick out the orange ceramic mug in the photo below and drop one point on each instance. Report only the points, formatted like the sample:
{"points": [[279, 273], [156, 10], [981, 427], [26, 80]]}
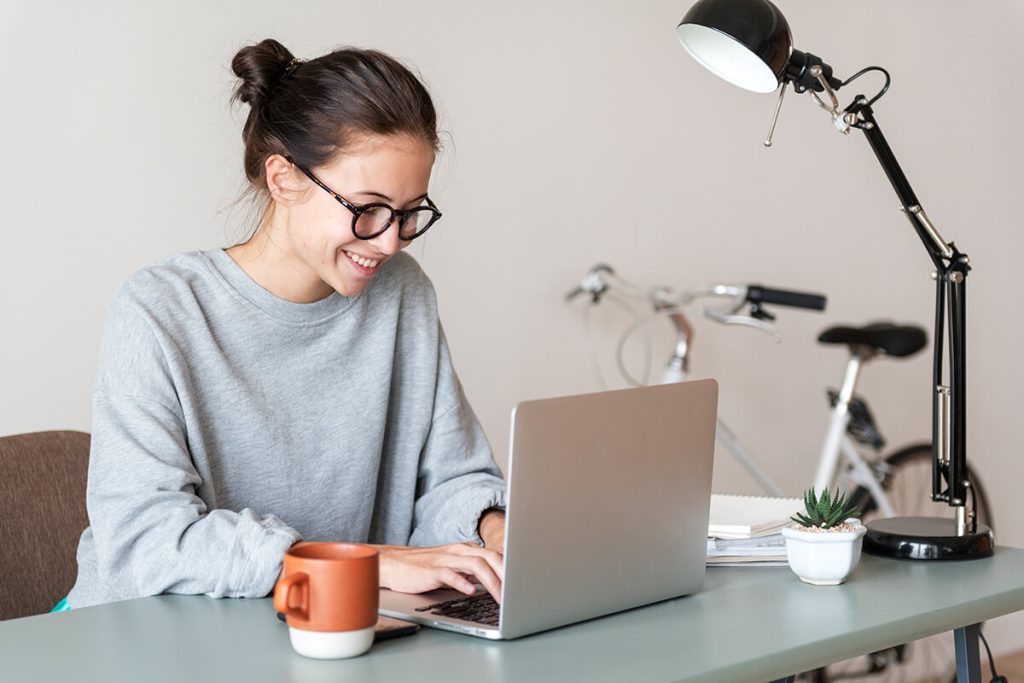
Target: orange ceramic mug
{"points": [[328, 593]]}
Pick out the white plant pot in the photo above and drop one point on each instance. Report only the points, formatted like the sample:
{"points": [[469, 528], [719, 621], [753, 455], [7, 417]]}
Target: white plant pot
{"points": [[823, 558]]}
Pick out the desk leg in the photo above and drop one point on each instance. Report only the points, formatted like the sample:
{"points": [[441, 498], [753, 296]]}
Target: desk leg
{"points": [[968, 661]]}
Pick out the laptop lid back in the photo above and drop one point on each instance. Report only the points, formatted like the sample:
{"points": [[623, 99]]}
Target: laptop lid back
{"points": [[608, 502]]}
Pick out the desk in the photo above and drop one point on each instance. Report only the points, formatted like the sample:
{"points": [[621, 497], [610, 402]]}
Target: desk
{"points": [[748, 624]]}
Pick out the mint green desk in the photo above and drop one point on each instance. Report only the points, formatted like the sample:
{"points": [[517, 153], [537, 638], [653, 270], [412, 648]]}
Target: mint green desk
{"points": [[746, 625]]}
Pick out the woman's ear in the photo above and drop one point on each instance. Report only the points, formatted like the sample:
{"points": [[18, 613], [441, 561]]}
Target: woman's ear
{"points": [[286, 184]]}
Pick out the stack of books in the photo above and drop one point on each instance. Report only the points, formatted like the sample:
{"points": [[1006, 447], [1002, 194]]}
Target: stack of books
{"points": [[746, 530]]}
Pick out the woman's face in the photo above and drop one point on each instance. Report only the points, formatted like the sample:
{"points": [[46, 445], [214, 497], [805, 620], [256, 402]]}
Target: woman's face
{"points": [[394, 170]]}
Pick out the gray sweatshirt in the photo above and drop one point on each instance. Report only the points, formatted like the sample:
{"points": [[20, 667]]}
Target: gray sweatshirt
{"points": [[229, 423]]}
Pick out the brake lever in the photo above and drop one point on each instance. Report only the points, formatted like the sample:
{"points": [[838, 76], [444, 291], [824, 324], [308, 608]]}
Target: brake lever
{"points": [[746, 321], [592, 283]]}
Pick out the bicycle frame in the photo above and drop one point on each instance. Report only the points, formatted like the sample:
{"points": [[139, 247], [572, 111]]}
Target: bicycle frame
{"points": [[837, 447], [838, 442]]}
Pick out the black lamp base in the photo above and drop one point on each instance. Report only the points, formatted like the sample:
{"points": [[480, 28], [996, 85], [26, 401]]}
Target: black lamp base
{"points": [[926, 538]]}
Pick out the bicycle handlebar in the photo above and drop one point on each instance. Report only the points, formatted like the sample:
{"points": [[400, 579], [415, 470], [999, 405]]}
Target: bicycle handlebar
{"points": [[668, 303], [756, 294], [602, 277]]}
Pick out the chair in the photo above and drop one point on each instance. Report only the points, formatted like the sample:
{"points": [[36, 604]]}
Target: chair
{"points": [[42, 515]]}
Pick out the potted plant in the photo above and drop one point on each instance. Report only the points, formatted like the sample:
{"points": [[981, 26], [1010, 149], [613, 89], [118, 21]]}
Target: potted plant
{"points": [[823, 546]]}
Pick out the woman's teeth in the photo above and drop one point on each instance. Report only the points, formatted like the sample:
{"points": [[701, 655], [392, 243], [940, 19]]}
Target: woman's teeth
{"points": [[364, 262]]}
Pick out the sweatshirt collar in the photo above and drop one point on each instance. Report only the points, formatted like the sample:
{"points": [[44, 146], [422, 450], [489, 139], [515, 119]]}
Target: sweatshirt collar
{"points": [[271, 304]]}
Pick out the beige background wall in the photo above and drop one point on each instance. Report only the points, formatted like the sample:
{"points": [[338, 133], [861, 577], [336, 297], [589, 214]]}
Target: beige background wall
{"points": [[579, 132]]}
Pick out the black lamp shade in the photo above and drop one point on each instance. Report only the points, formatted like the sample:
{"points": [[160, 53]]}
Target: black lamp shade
{"points": [[746, 42]]}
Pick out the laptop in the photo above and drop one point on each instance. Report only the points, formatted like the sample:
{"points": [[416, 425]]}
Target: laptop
{"points": [[608, 500]]}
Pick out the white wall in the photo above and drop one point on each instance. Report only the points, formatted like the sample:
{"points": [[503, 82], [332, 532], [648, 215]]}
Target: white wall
{"points": [[580, 132]]}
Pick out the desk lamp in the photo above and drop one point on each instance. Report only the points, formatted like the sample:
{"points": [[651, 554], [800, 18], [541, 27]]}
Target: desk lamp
{"points": [[749, 44]]}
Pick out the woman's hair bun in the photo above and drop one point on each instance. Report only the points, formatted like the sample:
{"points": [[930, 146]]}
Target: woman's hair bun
{"points": [[260, 68]]}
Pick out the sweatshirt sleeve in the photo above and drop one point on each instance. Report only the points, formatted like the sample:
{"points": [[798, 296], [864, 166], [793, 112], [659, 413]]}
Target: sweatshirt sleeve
{"points": [[152, 532], [458, 479]]}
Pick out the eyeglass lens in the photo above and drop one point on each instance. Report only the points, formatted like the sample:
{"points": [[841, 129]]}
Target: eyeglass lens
{"points": [[374, 219]]}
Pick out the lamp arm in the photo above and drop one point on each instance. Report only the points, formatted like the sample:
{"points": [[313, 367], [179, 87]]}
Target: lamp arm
{"points": [[949, 402], [864, 118]]}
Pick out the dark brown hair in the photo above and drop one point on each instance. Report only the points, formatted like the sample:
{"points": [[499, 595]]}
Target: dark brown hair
{"points": [[311, 111]]}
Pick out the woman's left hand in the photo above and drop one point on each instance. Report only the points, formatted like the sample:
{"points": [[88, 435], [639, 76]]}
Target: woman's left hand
{"points": [[492, 530]]}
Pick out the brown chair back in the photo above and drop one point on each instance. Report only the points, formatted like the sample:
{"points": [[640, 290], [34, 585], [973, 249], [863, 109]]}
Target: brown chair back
{"points": [[42, 515]]}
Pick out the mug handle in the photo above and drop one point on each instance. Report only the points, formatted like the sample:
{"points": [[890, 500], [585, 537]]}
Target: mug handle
{"points": [[282, 595]]}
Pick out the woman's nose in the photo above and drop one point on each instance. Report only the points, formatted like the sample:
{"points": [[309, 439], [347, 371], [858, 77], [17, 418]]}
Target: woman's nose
{"points": [[388, 241]]}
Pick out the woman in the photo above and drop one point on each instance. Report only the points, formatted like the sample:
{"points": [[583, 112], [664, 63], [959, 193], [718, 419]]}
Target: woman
{"points": [[297, 385]]}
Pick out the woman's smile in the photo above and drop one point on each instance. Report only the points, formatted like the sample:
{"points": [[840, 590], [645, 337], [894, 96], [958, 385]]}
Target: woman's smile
{"points": [[362, 264]]}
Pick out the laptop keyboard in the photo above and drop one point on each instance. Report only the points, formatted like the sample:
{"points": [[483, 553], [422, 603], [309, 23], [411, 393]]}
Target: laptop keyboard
{"points": [[480, 608]]}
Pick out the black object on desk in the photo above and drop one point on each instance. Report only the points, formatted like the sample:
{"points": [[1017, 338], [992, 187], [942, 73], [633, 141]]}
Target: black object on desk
{"points": [[386, 629]]}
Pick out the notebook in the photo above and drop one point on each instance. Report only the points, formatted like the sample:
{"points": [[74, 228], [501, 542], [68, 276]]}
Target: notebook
{"points": [[734, 516], [761, 551]]}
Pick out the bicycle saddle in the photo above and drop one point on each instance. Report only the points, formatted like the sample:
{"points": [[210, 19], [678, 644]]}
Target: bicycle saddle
{"points": [[892, 340]]}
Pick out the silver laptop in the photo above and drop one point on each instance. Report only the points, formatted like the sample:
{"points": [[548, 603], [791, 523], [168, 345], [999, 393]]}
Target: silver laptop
{"points": [[608, 498]]}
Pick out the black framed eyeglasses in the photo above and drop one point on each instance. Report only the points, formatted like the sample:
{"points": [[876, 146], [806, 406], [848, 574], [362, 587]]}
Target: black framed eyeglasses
{"points": [[371, 220]]}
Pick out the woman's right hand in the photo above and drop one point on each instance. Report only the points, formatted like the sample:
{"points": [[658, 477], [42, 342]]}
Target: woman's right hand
{"points": [[458, 566]]}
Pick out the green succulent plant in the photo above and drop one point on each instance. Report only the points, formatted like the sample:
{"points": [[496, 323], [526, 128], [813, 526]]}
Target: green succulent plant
{"points": [[825, 511]]}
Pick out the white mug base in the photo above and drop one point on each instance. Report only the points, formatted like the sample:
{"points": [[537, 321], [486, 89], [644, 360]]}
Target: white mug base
{"points": [[331, 644]]}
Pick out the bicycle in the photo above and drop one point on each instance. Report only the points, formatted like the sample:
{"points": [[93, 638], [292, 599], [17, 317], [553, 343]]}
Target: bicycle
{"points": [[897, 483]]}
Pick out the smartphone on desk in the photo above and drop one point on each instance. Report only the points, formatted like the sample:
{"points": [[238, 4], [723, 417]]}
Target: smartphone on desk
{"points": [[386, 629]]}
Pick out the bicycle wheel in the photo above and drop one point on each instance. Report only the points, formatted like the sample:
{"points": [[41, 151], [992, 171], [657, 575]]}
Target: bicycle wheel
{"points": [[908, 485]]}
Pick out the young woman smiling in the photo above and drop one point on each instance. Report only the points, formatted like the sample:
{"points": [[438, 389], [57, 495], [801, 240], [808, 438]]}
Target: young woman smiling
{"points": [[298, 385]]}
